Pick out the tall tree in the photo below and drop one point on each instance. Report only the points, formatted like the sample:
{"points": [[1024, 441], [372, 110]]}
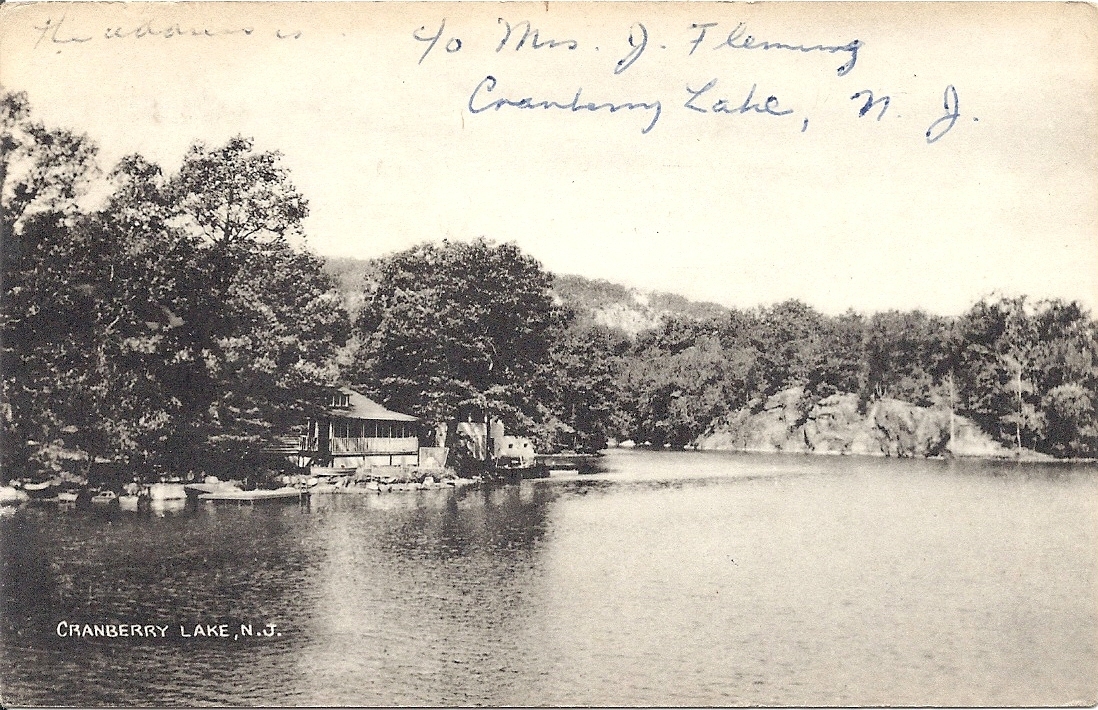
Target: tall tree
{"points": [[906, 356], [43, 321], [269, 342], [176, 325], [233, 195], [585, 396], [453, 325], [1028, 372]]}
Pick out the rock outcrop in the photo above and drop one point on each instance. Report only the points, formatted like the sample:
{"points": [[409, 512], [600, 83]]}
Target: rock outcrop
{"points": [[834, 425]]}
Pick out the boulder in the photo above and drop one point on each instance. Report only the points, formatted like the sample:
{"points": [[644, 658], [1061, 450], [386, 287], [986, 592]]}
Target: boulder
{"points": [[834, 425]]}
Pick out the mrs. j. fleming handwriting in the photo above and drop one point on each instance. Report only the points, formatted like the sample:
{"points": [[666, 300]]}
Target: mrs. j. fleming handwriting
{"points": [[633, 51], [707, 96]]}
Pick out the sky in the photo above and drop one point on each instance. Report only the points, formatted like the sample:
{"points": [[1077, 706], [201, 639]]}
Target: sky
{"points": [[395, 141]]}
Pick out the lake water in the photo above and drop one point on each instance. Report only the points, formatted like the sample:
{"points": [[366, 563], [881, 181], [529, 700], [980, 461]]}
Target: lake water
{"points": [[670, 579]]}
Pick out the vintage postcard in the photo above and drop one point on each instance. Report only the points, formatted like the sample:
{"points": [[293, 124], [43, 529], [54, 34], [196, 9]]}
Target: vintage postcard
{"points": [[550, 354]]}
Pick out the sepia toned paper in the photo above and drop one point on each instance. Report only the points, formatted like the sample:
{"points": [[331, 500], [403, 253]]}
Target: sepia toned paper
{"points": [[866, 156], [733, 207]]}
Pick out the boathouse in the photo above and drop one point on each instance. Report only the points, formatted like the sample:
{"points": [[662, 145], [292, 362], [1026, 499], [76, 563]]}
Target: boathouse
{"points": [[357, 431]]}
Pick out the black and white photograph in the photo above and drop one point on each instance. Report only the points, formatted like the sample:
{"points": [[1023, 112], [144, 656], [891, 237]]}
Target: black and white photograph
{"points": [[601, 354]]}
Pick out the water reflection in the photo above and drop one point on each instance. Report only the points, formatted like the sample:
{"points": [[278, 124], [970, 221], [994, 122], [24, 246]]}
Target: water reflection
{"points": [[670, 578], [163, 508], [422, 632]]}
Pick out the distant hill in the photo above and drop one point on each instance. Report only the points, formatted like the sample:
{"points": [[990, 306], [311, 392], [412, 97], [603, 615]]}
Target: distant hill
{"points": [[628, 309], [595, 300], [350, 276]]}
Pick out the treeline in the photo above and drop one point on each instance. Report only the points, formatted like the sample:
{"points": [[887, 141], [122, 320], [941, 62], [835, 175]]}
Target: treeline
{"points": [[1027, 373], [178, 323], [454, 327], [174, 325]]}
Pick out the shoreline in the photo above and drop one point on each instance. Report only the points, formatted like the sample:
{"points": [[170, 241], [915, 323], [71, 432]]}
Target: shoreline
{"points": [[1028, 457]]}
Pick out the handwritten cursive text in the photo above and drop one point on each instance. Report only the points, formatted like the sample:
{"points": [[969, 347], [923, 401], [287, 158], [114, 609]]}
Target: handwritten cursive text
{"points": [[488, 85]]}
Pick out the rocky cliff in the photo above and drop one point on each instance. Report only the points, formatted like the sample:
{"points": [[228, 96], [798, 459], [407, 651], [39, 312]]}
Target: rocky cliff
{"points": [[789, 422], [629, 310]]}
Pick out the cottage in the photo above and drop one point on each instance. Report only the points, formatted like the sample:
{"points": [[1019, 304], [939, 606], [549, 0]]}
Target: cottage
{"points": [[357, 431]]}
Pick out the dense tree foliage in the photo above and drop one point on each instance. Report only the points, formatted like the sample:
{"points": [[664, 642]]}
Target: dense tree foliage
{"points": [[1027, 373], [699, 366], [583, 393], [175, 324], [453, 328]]}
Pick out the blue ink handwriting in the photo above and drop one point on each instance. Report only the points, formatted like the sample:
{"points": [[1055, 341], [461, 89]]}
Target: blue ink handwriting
{"points": [[488, 85], [638, 46], [738, 39], [952, 105], [532, 35], [870, 102], [769, 107], [453, 45]]}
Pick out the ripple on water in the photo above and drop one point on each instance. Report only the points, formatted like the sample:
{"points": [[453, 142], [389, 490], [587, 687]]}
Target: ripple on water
{"points": [[670, 579]]}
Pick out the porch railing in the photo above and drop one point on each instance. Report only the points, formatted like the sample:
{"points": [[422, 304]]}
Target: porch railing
{"points": [[372, 445]]}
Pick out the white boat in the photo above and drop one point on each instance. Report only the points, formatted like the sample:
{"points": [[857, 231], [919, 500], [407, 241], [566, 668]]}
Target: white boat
{"points": [[12, 496], [162, 508], [235, 495], [167, 491], [104, 498], [45, 489]]}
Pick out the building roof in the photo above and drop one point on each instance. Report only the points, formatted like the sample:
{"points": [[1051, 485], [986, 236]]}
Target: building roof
{"points": [[362, 407]]}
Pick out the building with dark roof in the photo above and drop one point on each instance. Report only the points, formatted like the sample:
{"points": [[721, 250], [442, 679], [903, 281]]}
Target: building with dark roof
{"points": [[357, 431]]}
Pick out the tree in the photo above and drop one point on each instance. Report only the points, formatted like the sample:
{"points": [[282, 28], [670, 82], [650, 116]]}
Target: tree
{"points": [[787, 338], [1029, 371], [679, 380], [43, 172], [459, 326], [271, 319], [906, 356], [585, 396], [232, 195], [840, 362], [176, 325], [1072, 420]]}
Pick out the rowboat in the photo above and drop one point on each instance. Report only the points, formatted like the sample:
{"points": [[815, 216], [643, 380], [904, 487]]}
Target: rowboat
{"points": [[104, 498], [44, 489], [581, 463], [235, 495], [12, 496]]}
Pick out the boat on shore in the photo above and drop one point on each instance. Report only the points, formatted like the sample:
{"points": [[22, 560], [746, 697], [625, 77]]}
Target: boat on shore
{"points": [[104, 498], [508, 471], [231, 494], [10, 496], [129, 502], [167, 491], [42, 490], [569, 461]]}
